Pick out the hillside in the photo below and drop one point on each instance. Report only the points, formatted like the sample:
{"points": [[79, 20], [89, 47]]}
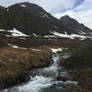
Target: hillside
{"points": [[74, 26], [80, 64], [30, 18]]}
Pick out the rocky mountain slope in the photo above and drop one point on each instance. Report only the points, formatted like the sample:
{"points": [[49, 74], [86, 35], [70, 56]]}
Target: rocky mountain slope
{"points": [[74, 26], [30, 18]]}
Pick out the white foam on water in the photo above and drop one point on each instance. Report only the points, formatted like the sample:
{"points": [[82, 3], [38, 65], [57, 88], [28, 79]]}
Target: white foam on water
{"points": [[36, 84], [39, 82], [54, 66]]}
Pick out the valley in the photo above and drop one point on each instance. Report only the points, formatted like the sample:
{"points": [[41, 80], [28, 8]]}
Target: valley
{"points": [[40, 53]]}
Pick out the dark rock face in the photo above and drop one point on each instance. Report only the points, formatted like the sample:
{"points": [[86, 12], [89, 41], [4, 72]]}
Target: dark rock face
{"points": [[74, 26]]}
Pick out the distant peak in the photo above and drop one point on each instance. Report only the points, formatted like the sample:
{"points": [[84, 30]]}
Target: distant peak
{"points": [[67, 17], [73, 24]]}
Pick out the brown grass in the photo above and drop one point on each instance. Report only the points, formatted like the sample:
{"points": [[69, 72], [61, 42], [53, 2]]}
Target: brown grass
{"points": [[80, 63], [14, 63], [85, 81]]}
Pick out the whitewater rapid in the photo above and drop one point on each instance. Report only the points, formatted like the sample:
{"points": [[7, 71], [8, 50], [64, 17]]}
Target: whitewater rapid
{"points": [[46, 79]]}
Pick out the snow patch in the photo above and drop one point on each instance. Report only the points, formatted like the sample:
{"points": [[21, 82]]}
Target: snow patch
{"points": [[36, 35], [50, 36], [56, 50], [82, 33], [14, 33], [59, 34], [23, 6], [72, 36], [17, 33], [1, 30], [14, 46], [36, 50], [7, 9]]}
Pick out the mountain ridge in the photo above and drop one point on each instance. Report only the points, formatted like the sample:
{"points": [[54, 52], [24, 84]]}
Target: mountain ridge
{"points": [[30, 18], [73, 24]]}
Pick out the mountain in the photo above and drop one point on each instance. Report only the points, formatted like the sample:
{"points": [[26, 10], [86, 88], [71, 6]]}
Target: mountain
{"points": [[74, 26], [31, 19]]}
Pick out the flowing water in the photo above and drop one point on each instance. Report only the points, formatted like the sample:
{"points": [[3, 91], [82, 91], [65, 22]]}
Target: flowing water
{"points": [[49, 79]]}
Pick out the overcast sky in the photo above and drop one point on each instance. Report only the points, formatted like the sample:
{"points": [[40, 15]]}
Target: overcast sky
{"points": [[78, 9]]}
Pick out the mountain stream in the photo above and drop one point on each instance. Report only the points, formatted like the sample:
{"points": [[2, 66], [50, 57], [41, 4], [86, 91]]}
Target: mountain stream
{"points": [[48, 79]]}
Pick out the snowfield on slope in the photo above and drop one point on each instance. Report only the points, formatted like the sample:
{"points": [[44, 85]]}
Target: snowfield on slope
{"points": [[17, 33], [72, 36]]}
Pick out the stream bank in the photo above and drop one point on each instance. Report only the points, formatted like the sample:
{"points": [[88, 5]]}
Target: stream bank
{"points": [[48, 79]]}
